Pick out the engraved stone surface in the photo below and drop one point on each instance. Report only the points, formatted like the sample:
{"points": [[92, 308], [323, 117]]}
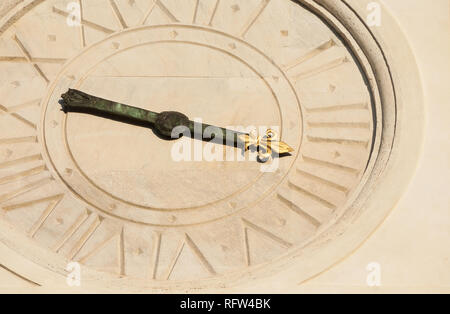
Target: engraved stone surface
{"points": [[110, 196]]}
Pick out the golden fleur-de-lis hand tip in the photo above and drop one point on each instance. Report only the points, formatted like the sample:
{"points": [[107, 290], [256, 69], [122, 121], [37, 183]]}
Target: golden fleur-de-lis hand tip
{"points": [[268, 143]]}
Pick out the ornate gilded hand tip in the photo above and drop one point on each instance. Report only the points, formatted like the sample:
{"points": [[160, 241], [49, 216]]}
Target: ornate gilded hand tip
{"points": [[266, 145]]}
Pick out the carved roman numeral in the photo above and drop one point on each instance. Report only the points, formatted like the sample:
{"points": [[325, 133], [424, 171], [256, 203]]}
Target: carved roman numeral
{"points": [[29, 59], [24, 189], [337, 108], [18, 140], [85, 237], [12, 111], [323, 68], [310, 217], [33, 60], [194, 18], [247, 225], [312, 195], [82, 30], [312, 54], [214, 12], [119, 238], [330, 165], [323, 181], [254, 17], [340, 141], [19, 161], [84, 22], [118, 14], [73, 228], [22, 174], [163, 8], [340, 125], [187, 242], [52, 201], [96, 222], [155, 254]]}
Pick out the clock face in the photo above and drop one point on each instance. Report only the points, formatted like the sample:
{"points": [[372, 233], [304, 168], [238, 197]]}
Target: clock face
{"points": [[112, 197]]}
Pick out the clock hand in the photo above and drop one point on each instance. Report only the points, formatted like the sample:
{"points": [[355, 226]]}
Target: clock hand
{"points": [[165, 122]]}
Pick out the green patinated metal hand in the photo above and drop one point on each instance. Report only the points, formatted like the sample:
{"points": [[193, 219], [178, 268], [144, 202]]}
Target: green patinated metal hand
{"points": [[165, 123]]}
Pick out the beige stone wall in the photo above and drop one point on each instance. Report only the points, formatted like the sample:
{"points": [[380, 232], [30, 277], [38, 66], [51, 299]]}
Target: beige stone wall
{"points": [[412, 245]]}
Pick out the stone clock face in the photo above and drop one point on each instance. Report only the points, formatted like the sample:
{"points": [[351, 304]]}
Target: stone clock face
{"points": [[110, 196]]}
